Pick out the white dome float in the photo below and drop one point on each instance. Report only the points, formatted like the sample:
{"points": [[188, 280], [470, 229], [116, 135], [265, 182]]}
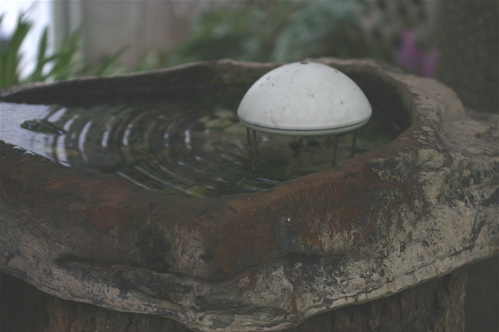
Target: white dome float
{"points": [[304, 99]]}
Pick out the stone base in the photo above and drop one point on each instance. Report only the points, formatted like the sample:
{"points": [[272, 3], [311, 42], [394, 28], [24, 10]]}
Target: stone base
{"points": [[436, 305], [385, 221]]}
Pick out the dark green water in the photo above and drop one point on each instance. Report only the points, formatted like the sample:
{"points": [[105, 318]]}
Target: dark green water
{"points": [[177, 149]]}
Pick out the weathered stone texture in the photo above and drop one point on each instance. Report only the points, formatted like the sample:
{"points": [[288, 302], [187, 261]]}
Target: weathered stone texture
{"points": [[384, 221], [436, 305]]}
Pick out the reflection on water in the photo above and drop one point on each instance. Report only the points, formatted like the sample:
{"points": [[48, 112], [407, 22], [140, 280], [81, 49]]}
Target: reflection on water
{"points": [[177, 149]]}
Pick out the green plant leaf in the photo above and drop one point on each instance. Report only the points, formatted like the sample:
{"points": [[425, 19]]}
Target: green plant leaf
{"points": [[65, 64], [108, 65], [41, 59], [10, 57]]}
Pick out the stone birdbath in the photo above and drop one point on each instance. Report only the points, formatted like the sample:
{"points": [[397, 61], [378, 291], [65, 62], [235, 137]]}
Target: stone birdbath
{"points": [[387, 220]]}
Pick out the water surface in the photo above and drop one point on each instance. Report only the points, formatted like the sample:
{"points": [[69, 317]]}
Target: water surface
{"points": [[175, 148]]}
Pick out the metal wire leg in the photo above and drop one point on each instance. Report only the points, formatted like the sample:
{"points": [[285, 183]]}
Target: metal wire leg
{"points": [[335, 150], [252, 143], [354, 142], [248, 136], [255, 144]]}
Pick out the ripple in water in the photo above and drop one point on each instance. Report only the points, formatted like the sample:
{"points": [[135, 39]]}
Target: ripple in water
{"points": [[176, 149]]}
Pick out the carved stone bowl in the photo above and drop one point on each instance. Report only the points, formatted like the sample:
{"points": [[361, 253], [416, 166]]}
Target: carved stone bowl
{"points": [[383, 221]]}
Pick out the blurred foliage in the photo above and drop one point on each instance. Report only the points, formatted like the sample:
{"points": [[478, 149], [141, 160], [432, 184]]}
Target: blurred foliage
{"points": [[64, 63], [276, 31], [245, 30]]}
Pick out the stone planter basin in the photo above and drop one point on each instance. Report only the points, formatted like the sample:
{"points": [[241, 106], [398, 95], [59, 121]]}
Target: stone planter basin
{"points": [[381, 222]]}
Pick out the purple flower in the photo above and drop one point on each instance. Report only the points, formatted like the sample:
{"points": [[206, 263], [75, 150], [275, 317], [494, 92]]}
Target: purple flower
{"points": [[412, 57]]}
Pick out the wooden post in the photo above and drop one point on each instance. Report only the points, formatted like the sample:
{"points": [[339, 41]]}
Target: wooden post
{"points": [[467, 36]]}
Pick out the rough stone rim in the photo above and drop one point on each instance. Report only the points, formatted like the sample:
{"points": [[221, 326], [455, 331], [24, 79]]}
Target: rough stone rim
{"points": [[192, 293]]}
